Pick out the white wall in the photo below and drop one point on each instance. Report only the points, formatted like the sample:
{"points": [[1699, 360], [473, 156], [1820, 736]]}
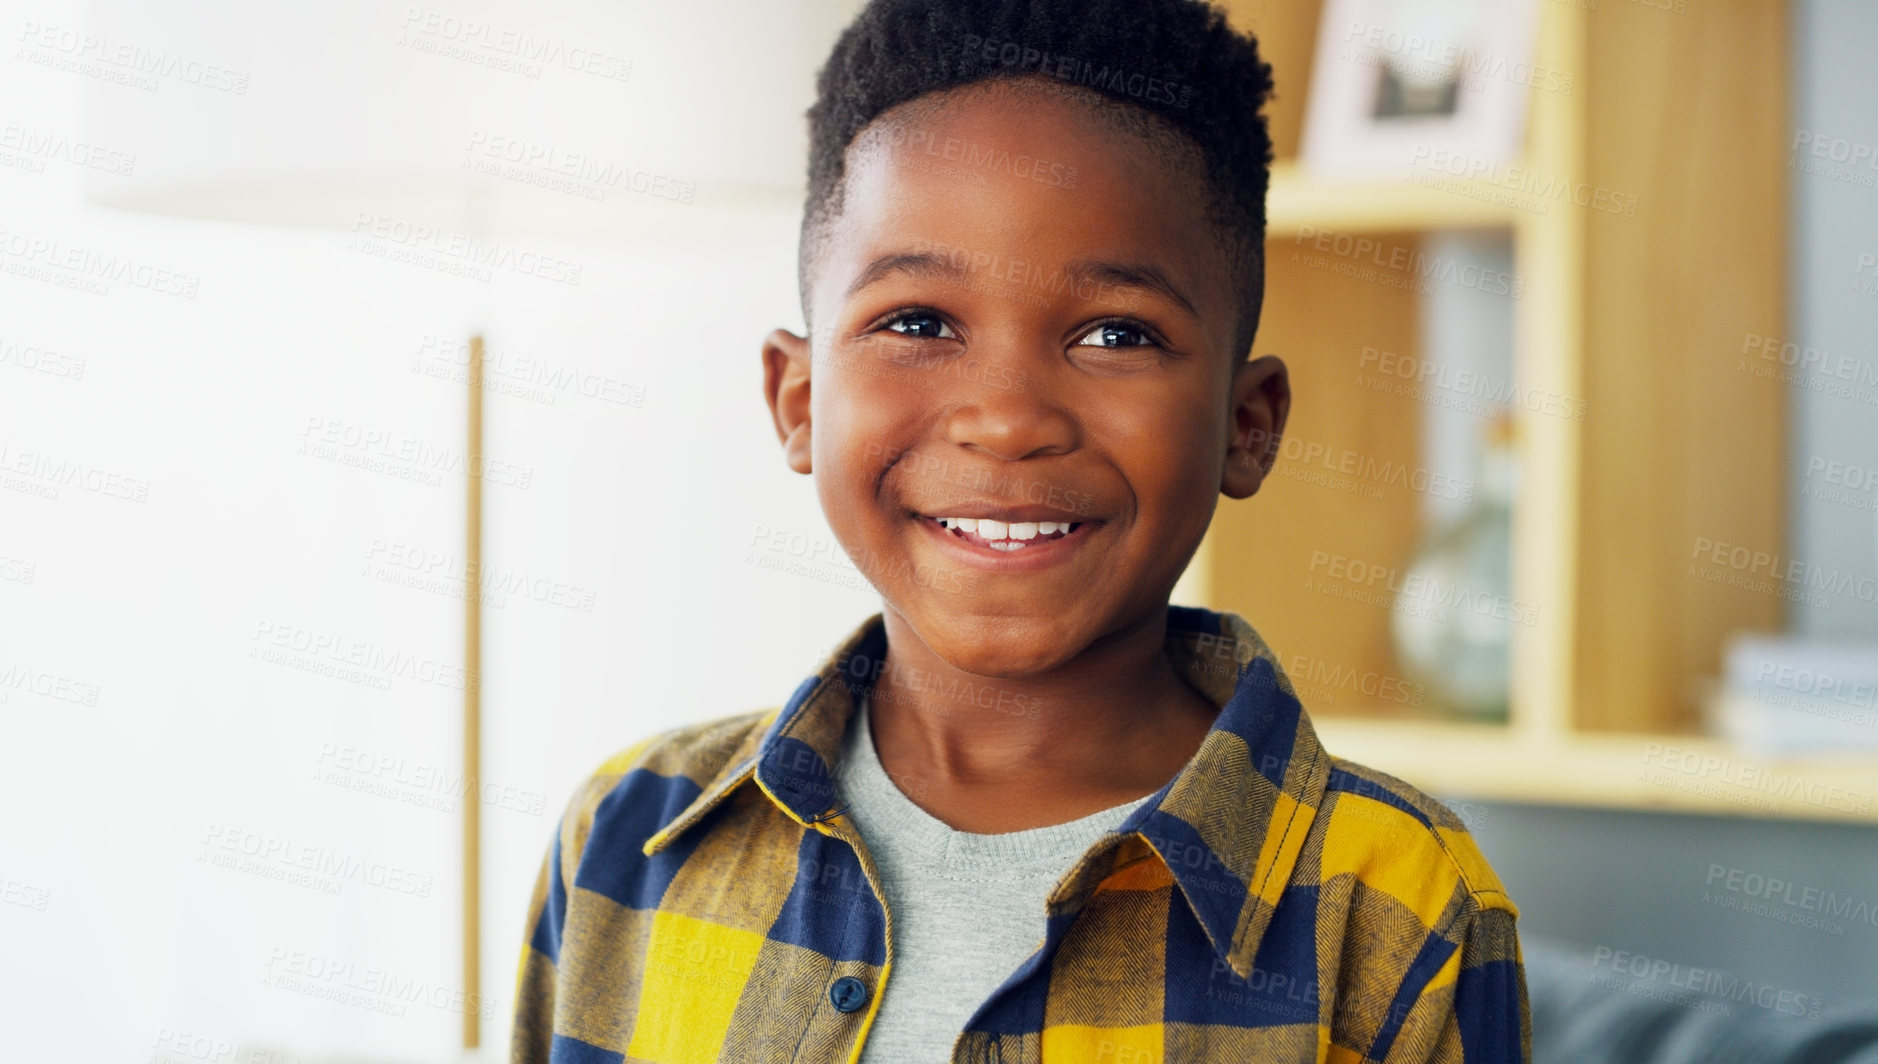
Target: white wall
{"points": [[1834, 315], [667, 510], [166, 608], [122, 941]]}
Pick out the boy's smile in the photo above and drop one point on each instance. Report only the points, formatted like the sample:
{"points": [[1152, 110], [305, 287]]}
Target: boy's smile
{"points": [[1024, 400], [1024, 232]]}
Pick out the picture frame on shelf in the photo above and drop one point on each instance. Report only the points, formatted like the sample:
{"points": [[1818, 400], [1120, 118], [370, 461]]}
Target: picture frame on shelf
{"points": [[1400, 87]]}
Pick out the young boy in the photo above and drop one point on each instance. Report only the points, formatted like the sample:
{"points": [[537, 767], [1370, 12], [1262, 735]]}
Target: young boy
{"points": [[1029, 813]]}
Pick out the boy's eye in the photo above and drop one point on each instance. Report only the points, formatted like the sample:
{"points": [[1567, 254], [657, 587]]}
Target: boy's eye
{"points": [[923, 325], [1115, 334]]}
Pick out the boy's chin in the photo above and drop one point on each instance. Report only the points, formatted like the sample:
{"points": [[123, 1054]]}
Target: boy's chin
{"points": [[1005, 647]]}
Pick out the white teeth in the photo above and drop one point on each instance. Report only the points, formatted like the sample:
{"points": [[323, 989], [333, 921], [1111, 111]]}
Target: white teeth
{"points": [[1005, 535]]}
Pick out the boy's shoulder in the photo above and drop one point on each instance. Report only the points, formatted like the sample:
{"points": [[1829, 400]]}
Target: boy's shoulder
{"points": [[680, 760], [1380, 826], [699, 750]]}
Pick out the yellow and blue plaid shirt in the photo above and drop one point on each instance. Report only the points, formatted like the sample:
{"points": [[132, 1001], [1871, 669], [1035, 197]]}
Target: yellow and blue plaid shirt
{"points": [[705, 900]]}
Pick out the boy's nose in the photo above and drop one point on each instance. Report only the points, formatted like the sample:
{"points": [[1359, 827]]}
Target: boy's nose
{"points": [[1011, 426]]}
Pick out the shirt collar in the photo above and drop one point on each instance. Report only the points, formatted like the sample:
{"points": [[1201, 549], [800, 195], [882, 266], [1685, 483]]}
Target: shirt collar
{"points": [[1229, 826]]}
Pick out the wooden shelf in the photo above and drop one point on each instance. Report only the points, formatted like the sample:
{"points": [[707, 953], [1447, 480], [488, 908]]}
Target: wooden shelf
{"points": [[1681, 773], [1299, 204], [1633, 318]]}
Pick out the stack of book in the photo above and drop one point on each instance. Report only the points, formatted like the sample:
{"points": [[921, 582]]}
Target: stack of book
{"points": [[1789, 695]]}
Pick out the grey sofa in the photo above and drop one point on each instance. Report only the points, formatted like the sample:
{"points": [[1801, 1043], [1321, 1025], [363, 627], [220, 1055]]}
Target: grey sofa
{"points": [[1590, 1008]]}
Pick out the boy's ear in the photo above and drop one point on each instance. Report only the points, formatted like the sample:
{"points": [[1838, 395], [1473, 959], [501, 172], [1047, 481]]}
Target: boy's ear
{"points": [[786, 388], [1261, 400]]}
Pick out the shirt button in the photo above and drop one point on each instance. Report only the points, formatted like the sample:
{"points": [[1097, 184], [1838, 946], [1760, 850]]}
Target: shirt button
{"points": [[848, 993]]}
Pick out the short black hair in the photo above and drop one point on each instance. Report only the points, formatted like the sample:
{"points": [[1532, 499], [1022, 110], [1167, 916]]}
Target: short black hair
{"points": [[1177, 60]]}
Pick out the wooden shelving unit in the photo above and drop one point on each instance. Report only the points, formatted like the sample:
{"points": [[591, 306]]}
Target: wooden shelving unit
{"points": [[1298, 205], [1639, 316]]}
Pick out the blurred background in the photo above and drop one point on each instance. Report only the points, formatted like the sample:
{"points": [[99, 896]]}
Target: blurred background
{"points": [[382, 448]]}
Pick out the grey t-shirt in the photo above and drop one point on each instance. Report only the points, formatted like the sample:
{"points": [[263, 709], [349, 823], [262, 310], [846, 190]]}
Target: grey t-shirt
{"points": [[966, 908]]}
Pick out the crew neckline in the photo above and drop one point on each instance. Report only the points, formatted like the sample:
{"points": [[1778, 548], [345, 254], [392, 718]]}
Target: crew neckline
{"points": [[902, 828]]}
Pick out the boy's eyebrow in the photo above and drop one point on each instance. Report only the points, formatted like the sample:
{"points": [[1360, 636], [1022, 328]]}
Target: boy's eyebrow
{"points": [[1101, 271], [1132, 275]]}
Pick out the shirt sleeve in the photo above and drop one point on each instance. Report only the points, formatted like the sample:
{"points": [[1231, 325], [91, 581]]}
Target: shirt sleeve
{"points": [[536, 979], [1473, 1009]]}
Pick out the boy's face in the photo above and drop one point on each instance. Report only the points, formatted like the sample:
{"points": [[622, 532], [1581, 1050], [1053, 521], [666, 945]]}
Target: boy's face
{"points": [[1021, 312]]}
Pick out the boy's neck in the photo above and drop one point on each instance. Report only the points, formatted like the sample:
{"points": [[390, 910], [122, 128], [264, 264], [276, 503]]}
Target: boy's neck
{"points": [[991, 754]]}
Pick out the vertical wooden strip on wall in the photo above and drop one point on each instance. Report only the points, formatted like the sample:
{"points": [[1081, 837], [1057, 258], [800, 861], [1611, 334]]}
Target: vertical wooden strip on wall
{"points": [[472, 705], [1683, 445], [1549, 356]]}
